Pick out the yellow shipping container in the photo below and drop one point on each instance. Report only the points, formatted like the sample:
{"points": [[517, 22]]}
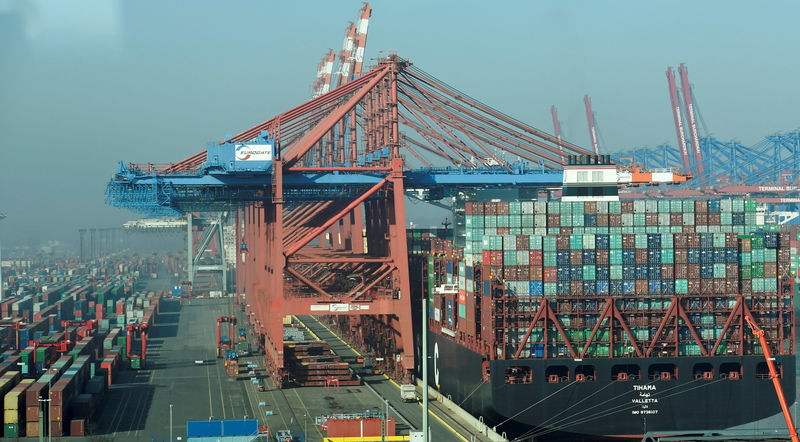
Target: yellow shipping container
{"points": [[13, 400], [8, 381], [11, 417]]}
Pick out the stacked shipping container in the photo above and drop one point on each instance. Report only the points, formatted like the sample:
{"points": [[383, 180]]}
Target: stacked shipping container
{"points": [[542, 279]]}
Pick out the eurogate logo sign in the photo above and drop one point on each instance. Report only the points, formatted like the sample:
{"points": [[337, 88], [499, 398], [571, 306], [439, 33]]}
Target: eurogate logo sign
{"points": [[254, 152]]}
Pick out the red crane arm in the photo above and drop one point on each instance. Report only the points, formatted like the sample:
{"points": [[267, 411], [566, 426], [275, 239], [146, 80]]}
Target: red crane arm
{"points": [[773, 374]]}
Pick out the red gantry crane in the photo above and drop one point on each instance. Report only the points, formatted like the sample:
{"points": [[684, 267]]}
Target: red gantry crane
{"points": [[676, 114], [557, 127], [686, 89], [592, 126], [137, 361], [322, 84], [221, 345]]}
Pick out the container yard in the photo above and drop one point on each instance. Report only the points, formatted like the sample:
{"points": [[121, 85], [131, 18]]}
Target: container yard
{"points": [[383, 256]]}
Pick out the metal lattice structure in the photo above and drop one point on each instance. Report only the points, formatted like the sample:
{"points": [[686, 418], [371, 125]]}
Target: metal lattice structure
{"points": [[322, 224]]}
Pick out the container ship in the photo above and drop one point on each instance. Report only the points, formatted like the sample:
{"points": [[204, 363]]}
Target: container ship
{"points": [[594, 319]]}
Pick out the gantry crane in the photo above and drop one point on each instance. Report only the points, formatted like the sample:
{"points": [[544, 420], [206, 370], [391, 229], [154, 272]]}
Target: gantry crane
{"points": [[222, 346], [676, 115], [691, 119], [556, 126], [592, 125], [137, 360], [773, 374]]}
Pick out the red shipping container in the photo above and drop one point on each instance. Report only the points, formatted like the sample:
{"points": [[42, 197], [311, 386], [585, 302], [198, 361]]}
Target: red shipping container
{"points": [[614, 220], [77, 427], [701, 206], [590, 207], [553, 220], [675, 219], [602, 257], [487, 257], [602, 220], [535, 257], [700, 219], [576, 288], [694, 271], [98, 315], [681, 256], [576, 257], [536, 273], [641, 256], [369, 427], [550, 274], [627, 206], [32, 413], [642, 287], [667, 271]]}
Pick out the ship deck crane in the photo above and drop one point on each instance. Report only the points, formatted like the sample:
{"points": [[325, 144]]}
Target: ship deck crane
{"points": [[773, 374]]}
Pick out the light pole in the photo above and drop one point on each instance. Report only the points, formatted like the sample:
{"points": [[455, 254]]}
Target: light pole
{"points": [[424, 367], [2, 217], [46, 421], [170, 422]]}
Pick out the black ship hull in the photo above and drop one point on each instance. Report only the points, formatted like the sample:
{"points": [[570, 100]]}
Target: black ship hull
{"points": [[603, 406]]}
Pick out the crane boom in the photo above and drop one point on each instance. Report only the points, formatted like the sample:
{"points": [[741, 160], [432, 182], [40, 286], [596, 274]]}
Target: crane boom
{"points": [[592, 126], [346, 55], [361, 38], [322, 84], [773, 374], [691, 120], [676, 114], [557, 127]]}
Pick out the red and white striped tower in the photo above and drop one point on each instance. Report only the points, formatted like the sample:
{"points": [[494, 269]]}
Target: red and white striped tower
{"points": [[361, 38], [324, 72], [346, 56]]}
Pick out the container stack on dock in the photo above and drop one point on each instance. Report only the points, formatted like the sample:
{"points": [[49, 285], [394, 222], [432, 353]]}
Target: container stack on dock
{"points": [[313, 364], [64, 337]]}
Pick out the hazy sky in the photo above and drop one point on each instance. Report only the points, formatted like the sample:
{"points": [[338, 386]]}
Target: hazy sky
{"points": [[85, 84]]}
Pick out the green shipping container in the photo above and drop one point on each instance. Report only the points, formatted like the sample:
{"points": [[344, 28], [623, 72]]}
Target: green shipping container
{"points": [[11, 430], [681, 286], [667, 256], [746, 272]]}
